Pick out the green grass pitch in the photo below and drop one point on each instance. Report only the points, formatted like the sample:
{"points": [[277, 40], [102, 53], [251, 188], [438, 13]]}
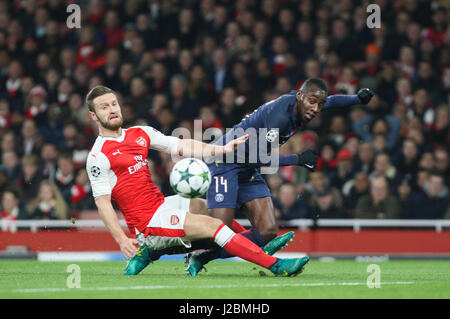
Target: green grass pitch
{"points": [[225, 280]]}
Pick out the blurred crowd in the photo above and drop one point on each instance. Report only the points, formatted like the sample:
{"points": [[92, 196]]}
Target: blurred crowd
{"points": [[175, 61]]}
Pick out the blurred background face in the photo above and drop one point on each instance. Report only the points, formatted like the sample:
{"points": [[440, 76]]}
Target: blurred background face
{"points": [[28, 129], [327, 153], [435, 185], [49, 152], [379, 189], [29, 170], [9, 201], [409, 150], [10, 159], [317, 180], [380, 143], [422, 178], [325, 201], [46, 193], [177, 88], [426, 161], [361, 182], [287, 195], [442, 160], [345, 164], [82, 177], [137, 87], [382, 163], [8, 142], [365, 152], [66, 166]]}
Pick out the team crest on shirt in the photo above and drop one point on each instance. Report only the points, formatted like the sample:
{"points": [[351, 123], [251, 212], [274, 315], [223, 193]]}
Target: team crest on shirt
{"points": [[141, 141], [219, 197], [174, 220]]}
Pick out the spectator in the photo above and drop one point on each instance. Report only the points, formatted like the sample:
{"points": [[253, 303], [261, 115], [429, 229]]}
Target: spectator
{"points": [[210, 120], [422, 108], [442, 163], [327, 156], [48, 161], [383, 168], [365, 158], [220, 72], [354, 189], [65, 175], [406, 64], [81, 194], [430, 203], [9, 142], [274, 181], [28, 182], [318, 182], [183, 106], [380, 204], [407, 159], [404, 93], [110, 71], [200, 89], [426, 161], [338, 129], [303, 48], [288, 206], [112, 30], [325, 206], [341, 40], [139, 97], [50, 203], [440, 128], [369, 126], [11, 163], [31, 140], [166, 120], [344, 169], [229, 111], [159, 79], [11, 210]]}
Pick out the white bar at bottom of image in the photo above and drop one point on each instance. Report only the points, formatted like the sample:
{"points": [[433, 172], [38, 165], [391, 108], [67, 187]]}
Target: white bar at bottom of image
{"points": [[78, 256]]}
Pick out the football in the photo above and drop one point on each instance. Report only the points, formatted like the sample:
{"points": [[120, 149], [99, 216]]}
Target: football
{"points": [[190, 178]]}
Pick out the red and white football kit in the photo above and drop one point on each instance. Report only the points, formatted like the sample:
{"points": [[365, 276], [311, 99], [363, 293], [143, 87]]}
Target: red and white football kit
{"points": [[119, 167]]}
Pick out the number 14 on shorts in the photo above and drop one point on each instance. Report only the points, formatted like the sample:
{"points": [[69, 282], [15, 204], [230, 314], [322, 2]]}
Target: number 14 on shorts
{"points": [[222, 182]]}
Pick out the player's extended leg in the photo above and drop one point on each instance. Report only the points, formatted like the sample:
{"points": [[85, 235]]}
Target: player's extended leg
{"points": [[195, 261], [199, 226], [145, 256], [261, 213]]}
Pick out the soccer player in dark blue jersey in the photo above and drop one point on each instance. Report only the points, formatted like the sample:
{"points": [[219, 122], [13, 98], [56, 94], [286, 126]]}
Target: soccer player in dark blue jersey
{"points": [[237, 181]]}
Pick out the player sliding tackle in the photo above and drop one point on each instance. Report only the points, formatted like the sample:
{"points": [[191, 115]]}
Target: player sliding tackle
{"points": [[118, 170], [241, 184]]}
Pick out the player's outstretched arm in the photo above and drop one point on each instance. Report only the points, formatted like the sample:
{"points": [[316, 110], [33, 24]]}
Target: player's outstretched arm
{"points": [[341, 100], [109, 217], [193, 148], [306, 158]]}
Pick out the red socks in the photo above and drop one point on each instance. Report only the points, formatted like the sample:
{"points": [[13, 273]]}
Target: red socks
{"points": [[238, 245], [236, 227]]}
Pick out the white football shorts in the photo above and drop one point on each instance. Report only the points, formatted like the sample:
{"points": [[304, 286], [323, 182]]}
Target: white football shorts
{"points": [[166, 227]]}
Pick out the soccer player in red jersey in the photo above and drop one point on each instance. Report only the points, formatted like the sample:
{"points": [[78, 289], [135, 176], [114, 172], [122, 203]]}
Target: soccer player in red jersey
{"points": [[118, 170]]}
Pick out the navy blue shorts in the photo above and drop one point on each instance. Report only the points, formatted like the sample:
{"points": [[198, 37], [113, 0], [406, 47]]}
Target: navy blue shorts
{"points": [[232, 185]]}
